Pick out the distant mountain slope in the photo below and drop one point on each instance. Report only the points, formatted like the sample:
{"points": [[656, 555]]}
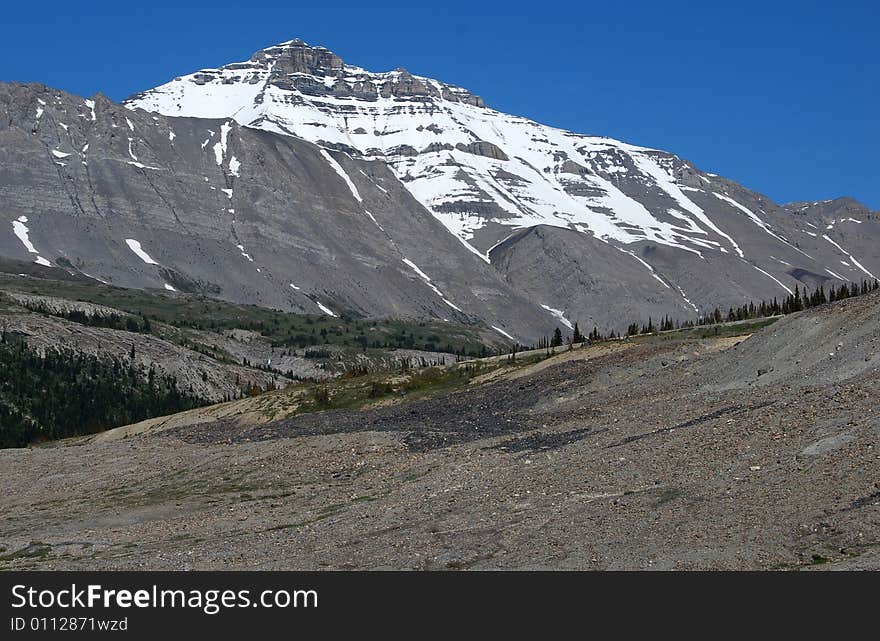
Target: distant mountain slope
{"points": [[207, 206], [298, 182], [486, 174]]}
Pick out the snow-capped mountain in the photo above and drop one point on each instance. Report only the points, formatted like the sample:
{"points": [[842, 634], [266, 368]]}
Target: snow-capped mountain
{"points": [[297, 181], [480, 172], [486, 175], [137, 199]]}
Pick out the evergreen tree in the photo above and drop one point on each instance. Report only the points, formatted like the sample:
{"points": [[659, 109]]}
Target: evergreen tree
{"points": [[576, 336], [62, 393]]}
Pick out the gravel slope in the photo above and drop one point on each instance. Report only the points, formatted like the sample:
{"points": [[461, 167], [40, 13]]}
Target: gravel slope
{"points": [[667, 454]]}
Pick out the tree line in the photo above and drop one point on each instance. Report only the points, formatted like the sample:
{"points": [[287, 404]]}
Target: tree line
{"points": [[63, 392], [112, 320], [797, 301]]}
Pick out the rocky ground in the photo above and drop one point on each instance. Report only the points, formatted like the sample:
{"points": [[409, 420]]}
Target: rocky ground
{"points": [[758, 452]]}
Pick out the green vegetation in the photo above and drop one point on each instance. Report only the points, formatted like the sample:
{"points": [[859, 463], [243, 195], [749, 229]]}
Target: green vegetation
{"points": [[65, 393], [351, 393], [110, 321], [721, 330], [282, 329], [797, 301]]}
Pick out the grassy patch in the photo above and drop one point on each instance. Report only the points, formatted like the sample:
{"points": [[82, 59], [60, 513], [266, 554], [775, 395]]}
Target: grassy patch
{"points": [[412, 384], [720, 330]]}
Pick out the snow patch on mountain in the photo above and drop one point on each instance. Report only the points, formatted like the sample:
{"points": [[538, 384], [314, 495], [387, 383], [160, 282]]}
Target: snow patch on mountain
{"points": [[141, 165], [220, 147], [428, 282], [773, 278], [748, 212], [558, 313], [854, 261], [649, 268], [246, 255], [339, 170], [326, 309], [502, 332], [22, 232], [135, 246]]}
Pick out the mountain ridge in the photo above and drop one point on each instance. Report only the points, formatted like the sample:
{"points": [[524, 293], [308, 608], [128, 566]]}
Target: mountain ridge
{"points": [[389, 194], [290, 93]]}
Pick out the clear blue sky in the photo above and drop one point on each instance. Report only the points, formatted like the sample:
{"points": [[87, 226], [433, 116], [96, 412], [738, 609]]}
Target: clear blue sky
{"points": [[781, 96]]}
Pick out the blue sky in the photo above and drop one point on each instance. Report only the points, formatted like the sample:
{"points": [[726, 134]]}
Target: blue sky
{"points": [[781, 96]]}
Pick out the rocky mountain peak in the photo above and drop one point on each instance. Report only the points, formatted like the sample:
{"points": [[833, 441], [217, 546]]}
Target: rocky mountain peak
{"points": [[295, 56], [298, 67]]}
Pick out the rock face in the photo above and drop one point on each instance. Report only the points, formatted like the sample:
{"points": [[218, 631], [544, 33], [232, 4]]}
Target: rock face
{"points": [[207, 206], [294, 180]]}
